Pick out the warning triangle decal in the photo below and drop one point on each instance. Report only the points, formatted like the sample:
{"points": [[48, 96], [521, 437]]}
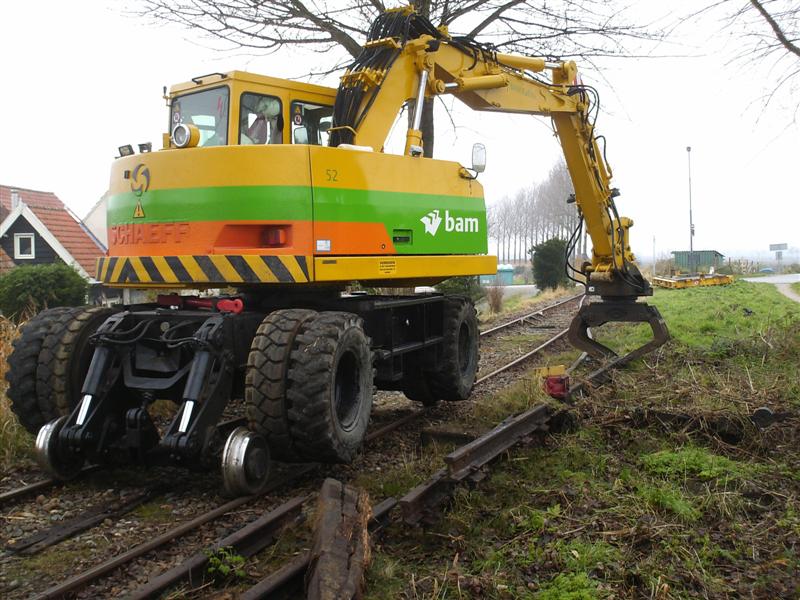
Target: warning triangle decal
{"points": [[138, 212]]}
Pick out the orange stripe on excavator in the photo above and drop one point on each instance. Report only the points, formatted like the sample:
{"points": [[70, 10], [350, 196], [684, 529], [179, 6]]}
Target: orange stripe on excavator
{"points": [[247, 238]]}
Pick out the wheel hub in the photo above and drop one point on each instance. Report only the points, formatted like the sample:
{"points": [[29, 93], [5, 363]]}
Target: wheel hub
{"points": [[245, 463], [49, 454]]}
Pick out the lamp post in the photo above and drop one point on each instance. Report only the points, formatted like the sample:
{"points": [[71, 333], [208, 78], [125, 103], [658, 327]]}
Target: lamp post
{"points": [[691, 224]]}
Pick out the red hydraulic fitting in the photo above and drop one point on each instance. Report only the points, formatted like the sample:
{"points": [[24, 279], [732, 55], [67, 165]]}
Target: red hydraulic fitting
{"points": [[231, 305], [557, 386]]}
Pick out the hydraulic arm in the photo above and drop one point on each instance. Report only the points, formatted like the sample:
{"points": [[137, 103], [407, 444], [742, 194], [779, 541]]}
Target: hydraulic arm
{"points": [[406, 59]]}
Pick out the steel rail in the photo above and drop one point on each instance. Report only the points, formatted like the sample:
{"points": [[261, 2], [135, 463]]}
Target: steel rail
{"points": [[44, 538], [246, 541], [289, 578], [98, 571], [38, 486], [539, 312], [298, 566], [536, 350], [82, 579]]}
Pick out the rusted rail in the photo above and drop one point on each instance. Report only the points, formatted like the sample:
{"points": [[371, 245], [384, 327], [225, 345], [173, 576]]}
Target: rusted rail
{"points": [[419, 500], [62, 531], [246, 542], [94, 573], [537, 313], [289, 578], [38, 486], [468, 461]]}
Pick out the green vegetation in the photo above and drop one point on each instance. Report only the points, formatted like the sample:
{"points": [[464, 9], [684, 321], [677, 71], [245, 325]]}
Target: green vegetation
{"points": [[734, 348], [225, 565], [27, 290], [549, 264], [796, 287], [692, 462], [626, 508], [465, 286]]}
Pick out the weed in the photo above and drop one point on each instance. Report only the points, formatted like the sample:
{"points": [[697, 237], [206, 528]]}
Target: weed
{"points": [[225, 564], [692, 462], [580, 555], [569, 586], [668, 498]]}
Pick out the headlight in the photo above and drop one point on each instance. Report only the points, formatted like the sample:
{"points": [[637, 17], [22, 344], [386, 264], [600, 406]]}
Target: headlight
{"points": [[185, 135]]}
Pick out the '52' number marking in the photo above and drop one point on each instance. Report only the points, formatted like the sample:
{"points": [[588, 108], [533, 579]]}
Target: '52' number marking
{"points": [[332, 174]]}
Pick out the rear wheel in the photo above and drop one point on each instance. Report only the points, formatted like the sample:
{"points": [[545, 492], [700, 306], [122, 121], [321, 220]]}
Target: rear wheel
{"points": [[455, 375], [267, 378], [415, 383], [329, 387], [65, 356], [23, 363]]}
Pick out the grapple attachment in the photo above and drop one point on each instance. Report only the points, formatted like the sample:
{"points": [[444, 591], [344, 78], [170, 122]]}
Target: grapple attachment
{"points": [[616, 311]]}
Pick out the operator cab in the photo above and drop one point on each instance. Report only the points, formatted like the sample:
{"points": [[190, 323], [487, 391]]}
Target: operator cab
{"points": [[240, 108]]}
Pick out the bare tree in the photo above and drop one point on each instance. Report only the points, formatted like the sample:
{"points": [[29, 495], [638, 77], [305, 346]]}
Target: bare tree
{"points": [[770, 35], [336, 28], [534, 214]]}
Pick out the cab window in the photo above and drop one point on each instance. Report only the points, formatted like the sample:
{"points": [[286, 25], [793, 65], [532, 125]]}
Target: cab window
{"points": [[260, 119], [206, 110], [310, 123]]}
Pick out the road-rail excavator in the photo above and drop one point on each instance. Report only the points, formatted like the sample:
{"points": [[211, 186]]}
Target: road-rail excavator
{"points": [[279, 195]]}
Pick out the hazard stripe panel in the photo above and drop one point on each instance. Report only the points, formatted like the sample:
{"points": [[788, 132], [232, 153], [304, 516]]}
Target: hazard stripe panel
{"points": [[214, 269]]}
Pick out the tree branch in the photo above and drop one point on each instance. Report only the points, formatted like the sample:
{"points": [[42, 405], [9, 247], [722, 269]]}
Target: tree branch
{"points": [[776, 28]]}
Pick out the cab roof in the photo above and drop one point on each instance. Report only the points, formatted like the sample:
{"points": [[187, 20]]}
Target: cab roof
{"points": [[214, 79]]}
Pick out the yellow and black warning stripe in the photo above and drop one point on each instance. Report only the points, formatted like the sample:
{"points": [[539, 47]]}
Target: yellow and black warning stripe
{"points": [[212, 269]]}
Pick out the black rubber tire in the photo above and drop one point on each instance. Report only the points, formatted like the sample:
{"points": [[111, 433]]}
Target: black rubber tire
{"points": [[415, 383], [330, 387], [266, 379], [455, 375], [65, 356], [23, 364]]}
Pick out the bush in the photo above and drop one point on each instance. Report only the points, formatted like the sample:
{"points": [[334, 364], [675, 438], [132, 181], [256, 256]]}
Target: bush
{"points": [[494, 296], [30, 289], [463, 286], [549, 264]]}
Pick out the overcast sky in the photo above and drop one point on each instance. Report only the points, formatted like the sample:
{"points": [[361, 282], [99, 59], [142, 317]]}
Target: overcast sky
{"points": [[81, 78]]}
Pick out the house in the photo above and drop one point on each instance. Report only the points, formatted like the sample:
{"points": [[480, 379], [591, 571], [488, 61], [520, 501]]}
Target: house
{"points": [[37, 228], [95, 220]]}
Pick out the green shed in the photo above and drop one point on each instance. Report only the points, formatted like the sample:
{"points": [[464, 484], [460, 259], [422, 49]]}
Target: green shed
{"points": [[699, 260]]}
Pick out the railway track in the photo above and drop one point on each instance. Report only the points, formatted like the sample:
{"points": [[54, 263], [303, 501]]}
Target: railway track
{"points": [[551, 319]]}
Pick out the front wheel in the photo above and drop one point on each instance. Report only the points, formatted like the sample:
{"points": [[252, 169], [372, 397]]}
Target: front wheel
{"points": [[245, 463], [329, 391], [50, 454]]}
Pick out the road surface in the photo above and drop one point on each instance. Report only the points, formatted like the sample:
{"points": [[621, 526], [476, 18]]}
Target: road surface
{"points": [[782, 282]]}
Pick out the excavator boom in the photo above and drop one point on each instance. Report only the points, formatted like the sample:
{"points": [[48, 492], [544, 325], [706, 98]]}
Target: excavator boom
{"points": [[407, 59]]}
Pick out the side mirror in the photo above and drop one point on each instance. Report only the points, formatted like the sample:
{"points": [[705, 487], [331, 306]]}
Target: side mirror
{"points": [[478, 158]]}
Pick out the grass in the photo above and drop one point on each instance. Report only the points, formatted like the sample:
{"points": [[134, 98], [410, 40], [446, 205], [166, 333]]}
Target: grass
{"points": [[796, 287], [614, 510], [733, 348]]}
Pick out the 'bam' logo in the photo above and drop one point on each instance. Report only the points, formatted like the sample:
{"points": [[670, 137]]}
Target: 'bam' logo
{"points": [[433, 220]]}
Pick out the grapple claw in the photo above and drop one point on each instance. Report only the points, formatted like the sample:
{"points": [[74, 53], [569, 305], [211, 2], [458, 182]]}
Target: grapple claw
{"points": [[614, 311]]}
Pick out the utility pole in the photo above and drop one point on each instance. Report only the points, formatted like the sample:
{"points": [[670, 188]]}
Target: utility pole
{"points": [[691, 224], [654, 256]]}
